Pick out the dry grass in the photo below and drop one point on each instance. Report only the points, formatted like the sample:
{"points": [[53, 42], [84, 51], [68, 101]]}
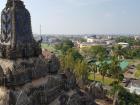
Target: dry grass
{"points": [[107, 80]]}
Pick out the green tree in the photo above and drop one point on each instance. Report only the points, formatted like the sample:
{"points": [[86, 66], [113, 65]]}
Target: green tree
{"points": [[103, 69], [93, 68], [117, 51], [75, 54], [115, 69], [116, 73], [82, 40], [81, 70], [64, 46], [67, 62], [97, 52], [121, 96]]}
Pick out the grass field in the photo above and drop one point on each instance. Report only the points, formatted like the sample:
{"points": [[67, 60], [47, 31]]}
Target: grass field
{"points": [[50, 48], [107, 80], [137, 74], [46, 46]]}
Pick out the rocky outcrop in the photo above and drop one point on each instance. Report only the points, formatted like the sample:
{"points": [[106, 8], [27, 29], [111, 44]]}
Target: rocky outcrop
{"points": [[52, 60], [4, 96], [96, 90], [81, 98]]}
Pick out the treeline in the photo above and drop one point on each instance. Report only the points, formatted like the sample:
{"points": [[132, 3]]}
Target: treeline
{"points": [[133, 51], [98, 59], [130, 40]]}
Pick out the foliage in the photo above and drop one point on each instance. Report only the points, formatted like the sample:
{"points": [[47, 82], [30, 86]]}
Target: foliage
{"points": [[74, 61], [98, 52], [75, 54], [81, 69], [138, 67], [67, 62], [137, 73], [103, 69], [93, 68], [64, 46], [117, 51], [115, 69], [128, 52], [129, 40], [82, 40], [126, 98]]}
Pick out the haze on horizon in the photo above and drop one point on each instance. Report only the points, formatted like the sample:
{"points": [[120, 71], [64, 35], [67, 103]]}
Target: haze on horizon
{"points": [[84, 16]]}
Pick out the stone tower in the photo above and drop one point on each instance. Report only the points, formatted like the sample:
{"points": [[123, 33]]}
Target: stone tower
{"points": [[26, 77], [16, 40]]}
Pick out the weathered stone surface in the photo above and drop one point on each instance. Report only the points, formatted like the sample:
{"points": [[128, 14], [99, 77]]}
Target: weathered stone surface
{"points": [[71, 80], [28, 77], [16, 39], [96, 90], [81, 98], [53, 61], [21, 71], [4, 97], [37, 92]]}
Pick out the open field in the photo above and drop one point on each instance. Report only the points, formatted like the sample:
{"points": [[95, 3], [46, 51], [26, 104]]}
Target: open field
{"points": [[137, 72], [50, 48], [107, 80], [133, 61]]}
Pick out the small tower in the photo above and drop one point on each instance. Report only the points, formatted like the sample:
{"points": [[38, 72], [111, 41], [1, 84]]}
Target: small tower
{"points": [[16, 39]]}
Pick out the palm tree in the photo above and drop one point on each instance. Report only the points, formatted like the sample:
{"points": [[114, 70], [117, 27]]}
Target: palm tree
{"points": [[117, 51], [115, 68], [118, 76], [103, 69], [93, 68], [115, 91], [81, 69]]}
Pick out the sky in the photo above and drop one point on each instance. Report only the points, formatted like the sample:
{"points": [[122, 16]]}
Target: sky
{"points": [[84, 16]]}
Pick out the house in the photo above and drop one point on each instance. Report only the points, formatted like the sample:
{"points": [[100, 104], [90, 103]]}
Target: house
{"points": [[136, 37], [91, 39], [135, 87], [123, 44], [88, 44]]}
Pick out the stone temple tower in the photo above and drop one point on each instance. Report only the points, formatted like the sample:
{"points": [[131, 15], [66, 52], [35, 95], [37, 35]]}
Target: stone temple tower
{"points": [[24, 73], [16, 40], [26, 77]]}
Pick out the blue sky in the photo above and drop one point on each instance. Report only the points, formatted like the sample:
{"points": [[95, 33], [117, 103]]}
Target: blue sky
{"points": [[84, 16]]}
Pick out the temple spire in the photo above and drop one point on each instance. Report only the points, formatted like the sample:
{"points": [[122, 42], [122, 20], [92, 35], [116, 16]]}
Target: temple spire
{"points": [[16, 39], [13, 25]]}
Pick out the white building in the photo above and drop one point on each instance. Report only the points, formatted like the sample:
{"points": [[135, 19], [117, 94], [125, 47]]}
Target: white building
{"points": [[91, 39], [135, 87], [123, 44], [136, 37], [110, 42], [88, 44]]}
